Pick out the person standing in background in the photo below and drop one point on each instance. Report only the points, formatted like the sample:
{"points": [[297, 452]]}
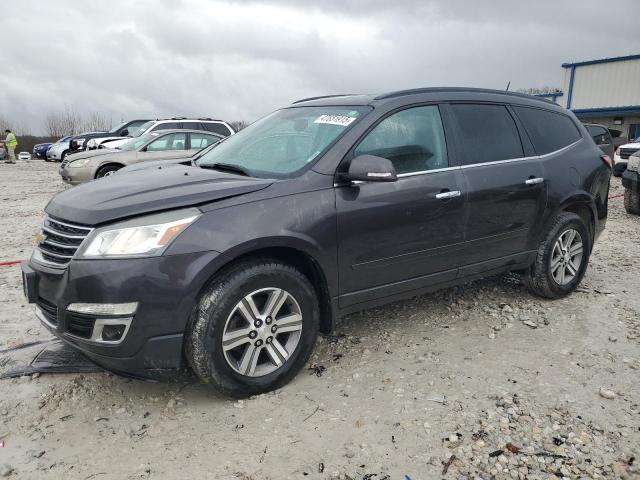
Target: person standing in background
{"points": [[11, 143]]}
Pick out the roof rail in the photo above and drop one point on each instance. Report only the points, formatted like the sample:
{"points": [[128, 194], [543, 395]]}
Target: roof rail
{"points": [[177, 118], [321, 97], [415, 91]]}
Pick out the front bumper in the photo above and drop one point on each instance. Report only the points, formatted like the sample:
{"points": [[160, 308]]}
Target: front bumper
{"points": [[75, 176], [631, 180], [166, 289]]}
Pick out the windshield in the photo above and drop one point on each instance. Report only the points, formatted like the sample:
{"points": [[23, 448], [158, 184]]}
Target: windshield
{"points": [[143, 128], [136, 142], [284, 142]]}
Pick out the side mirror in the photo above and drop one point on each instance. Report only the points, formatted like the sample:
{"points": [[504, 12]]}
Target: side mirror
{"points": [[124, 133], [369, 168]]}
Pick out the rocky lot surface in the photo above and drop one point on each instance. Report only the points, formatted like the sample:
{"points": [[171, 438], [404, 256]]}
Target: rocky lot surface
{"points": [[478, 381]]}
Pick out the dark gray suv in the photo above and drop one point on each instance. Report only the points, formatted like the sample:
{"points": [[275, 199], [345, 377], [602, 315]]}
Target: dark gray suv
{"points": [[236, 260]]}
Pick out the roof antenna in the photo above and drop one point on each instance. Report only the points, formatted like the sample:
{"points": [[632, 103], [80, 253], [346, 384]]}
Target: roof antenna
{"points": [[508, 85]]}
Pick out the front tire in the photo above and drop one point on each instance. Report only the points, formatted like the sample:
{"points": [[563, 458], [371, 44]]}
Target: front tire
{"points": [[107, 171], [631, 202], [562, 258], [253, 329]]}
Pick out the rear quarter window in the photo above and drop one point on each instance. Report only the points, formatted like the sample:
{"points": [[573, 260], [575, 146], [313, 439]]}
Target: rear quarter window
{"points": [[548, 131], [218, 128]]}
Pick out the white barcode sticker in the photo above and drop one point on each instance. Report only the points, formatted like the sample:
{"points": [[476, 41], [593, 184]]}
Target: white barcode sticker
{"points": [[341, 120]]}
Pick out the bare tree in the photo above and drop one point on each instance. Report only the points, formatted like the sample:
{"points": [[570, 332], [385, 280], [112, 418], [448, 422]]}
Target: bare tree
{"points": [[5, 124], [239, 124], [97, 122], [67, 122]]}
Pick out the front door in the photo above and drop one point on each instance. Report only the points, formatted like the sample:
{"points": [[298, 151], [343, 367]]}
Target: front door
{"points": [[172, 145], [400, 236], [506, 189]]}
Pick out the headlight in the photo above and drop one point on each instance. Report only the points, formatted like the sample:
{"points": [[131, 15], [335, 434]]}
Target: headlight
{"points": [[634, 162], [78, 163], [147, 236]]}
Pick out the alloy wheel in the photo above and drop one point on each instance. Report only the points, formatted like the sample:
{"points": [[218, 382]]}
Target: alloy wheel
{"points": [[566, 257], [262, 332]]}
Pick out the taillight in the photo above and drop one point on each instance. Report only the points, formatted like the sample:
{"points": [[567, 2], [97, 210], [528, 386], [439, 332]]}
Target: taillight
{"points": [[607, 159]]}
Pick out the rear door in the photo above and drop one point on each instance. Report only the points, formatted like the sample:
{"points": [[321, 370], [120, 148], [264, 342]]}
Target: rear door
{"points": [[505, 185], [198, 141], [400, 236]]}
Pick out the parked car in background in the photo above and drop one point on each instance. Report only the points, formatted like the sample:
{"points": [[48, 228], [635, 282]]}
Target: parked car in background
{"points": [[602, 136], [40, 150], [332, 205], [88, 140], [622, 155], [3, 152], [631, 184], [25, 156], [86, 166], [58, 151], [217, 127]]}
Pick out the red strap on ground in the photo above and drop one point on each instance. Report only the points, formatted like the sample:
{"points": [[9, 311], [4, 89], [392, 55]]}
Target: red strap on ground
{"points": [[616, 196], [10, 262]]}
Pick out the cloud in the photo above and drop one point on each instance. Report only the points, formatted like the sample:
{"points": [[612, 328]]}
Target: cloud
{"points": [[240, 60]]}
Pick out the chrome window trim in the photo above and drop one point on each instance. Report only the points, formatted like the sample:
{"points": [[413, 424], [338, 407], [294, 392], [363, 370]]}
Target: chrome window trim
{"points": [[471, 165]]}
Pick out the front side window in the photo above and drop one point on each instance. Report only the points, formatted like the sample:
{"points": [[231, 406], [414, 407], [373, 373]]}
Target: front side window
{"points": [[412, 139], [487, 133], [286, 142], [172, 141], [549, 131], [202, 140]]}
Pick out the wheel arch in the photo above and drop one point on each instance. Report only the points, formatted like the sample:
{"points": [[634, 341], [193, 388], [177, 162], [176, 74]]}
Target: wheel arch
{"points": [[582, 205], [107, 164], [295, 253]]}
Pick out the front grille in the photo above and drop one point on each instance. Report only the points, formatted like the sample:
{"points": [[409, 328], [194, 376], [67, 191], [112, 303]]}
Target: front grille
{"points": [[79, 325], [60, 241], [49, 310], [625, 153]]}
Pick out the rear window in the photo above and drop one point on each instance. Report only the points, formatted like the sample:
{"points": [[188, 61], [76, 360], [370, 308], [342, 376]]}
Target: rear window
{"points": [[488, 133], [549, 131]]}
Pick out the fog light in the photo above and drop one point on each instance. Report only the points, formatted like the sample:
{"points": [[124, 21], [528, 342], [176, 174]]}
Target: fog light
{"points": [[104, 308], [112, 333], [110, 330]]}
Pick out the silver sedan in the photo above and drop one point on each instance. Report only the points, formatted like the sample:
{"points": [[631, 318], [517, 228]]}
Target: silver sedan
{"points": [[156, 145]]}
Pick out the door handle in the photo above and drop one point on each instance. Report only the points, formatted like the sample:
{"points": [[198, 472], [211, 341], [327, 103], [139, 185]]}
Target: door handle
{"points": [[534, 181], [449, 194]]}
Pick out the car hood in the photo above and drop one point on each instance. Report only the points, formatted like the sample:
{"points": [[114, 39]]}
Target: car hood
{"points": [[93, 153], [164, 163], [120, 196]]}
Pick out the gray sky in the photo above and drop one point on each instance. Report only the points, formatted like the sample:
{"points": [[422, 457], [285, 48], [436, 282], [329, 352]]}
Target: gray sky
{"points": [[239, 60]]}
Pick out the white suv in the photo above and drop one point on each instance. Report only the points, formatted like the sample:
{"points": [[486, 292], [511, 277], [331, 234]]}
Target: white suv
{"points": [[207, 124], [622, 155]]}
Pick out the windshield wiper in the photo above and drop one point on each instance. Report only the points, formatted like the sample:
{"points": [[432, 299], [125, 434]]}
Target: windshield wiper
{"points": [[226, 167]]}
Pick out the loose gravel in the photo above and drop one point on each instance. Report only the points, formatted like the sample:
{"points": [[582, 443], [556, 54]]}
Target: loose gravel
{"points": [[474, 382]]}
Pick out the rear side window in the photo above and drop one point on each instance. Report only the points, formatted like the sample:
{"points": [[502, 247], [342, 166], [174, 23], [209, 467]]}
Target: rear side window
{"points": [[218, 128], [488, 133], [549, 131]]}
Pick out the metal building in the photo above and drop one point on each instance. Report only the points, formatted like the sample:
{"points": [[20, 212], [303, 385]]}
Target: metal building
{"points": [[605, 91]]}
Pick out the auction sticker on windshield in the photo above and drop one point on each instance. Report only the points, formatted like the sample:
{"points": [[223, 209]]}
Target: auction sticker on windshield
{"points": [[341, 120]]}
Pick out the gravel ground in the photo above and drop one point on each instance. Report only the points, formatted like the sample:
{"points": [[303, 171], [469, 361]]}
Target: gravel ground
{"points": [[479, 381]]}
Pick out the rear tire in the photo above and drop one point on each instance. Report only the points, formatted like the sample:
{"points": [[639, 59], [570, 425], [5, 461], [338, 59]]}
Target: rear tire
{"points": [[631, 202], [562, 258], [107, 171], [211, 347]]}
